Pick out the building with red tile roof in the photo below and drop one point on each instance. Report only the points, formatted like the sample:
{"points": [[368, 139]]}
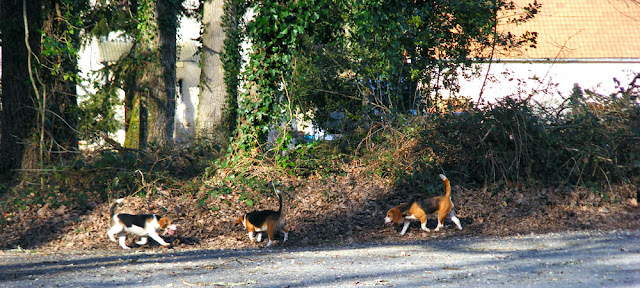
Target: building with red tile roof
{"points": [[581, 29], [585, 42]]}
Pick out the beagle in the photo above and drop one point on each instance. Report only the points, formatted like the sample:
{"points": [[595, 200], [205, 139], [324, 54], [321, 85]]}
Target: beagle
{"points": [[259, 221], [143, 225], [419, 209]]}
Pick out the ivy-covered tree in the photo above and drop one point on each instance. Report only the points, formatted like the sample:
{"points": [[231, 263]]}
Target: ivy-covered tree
{"points": [[230, 55], [61, 44], [275, 35], [365, 58]]}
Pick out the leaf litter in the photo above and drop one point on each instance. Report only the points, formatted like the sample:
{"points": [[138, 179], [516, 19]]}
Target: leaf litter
{"points": [[325, 211]]}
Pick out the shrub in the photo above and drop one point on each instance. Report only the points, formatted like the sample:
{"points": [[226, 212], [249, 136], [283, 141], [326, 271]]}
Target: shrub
{"points": [[578, 143]]}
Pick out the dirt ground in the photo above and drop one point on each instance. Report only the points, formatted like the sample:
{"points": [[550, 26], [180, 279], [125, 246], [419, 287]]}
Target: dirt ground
{"points": [[556, 260], [325, 211]]}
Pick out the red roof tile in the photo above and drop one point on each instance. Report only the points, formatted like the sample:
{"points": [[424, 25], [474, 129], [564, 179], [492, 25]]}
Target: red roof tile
{"points": [[581, 29]]}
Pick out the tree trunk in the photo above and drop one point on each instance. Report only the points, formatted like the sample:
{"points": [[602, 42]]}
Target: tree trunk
{"points": [[19, 118], [162, 89], [212, 87]]}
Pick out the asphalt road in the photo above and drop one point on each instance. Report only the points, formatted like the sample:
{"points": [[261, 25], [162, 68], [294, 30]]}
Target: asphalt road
{"points": [[569, 259]]}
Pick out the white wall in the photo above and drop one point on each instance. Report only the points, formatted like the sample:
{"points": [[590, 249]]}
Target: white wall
{"points": [[186, 102], [554, 78]]}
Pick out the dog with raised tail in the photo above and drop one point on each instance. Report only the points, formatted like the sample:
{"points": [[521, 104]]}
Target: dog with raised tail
{"points": [[143, 225], [264, 220], [419, 209]]}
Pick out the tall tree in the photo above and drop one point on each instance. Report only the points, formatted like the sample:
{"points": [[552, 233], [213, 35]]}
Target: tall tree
{"points": [[147, 72], [212, 86], [167, 29], [157, 46], [21, 22], [47, 65], [61, 43]]}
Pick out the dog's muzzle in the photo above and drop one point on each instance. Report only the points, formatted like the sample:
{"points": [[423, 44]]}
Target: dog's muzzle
{"points": [[172, 229]]}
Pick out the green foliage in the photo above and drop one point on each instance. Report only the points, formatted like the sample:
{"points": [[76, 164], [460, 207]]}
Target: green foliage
{"points": [[107, 16], [320, 158], [275, 34], [231, 59], [57, 76], [98, 114], [146, 22], [322, 57], [440, 38]]}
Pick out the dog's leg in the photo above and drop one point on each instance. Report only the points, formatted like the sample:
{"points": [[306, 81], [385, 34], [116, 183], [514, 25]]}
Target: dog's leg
{"points": [[113, 232], [455, 219], [405, 227], [440, 221], [281, 229], [112, 236], [250, 234], [423, 223], [158, 239], [142, 241], [271, 229], [259, 237], [121, 239]]}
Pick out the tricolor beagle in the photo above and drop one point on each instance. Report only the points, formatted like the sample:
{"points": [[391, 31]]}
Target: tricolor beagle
{"points": [[143, 225], [259, 221], [419, 209]]}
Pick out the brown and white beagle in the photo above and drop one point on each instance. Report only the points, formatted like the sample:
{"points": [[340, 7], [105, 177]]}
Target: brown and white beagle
{"points": [[419, 209], [143, 225], [264, 220]]}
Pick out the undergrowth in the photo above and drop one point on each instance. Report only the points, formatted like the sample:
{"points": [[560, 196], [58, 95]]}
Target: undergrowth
{"points": [[513, 141], [517, 141], [95, 177]]}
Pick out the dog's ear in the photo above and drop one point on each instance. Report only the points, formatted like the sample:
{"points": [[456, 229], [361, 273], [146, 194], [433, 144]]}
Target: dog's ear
{"points": [[164, 222], [397, 216]]}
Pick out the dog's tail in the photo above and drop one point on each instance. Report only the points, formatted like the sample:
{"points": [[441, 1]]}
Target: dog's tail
{"points": [[447, 185], [280, 200], [113, 206]]}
